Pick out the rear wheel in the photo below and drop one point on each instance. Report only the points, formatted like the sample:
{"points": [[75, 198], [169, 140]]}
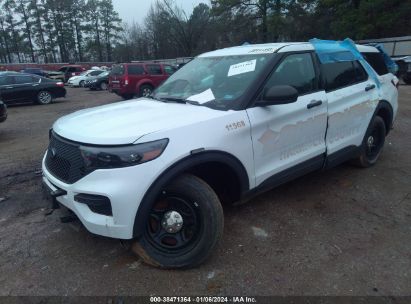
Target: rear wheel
{"points": [[183, 226], [407, 80], [373, 143], [127, 96], [146, 90], [44, 97]]}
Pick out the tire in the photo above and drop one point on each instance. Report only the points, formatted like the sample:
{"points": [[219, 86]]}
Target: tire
{"points": [[200, 224], [407, 80], [127, 96], [81, 84], [44, 98], [373, 143], [103, 86], [145, 90]]}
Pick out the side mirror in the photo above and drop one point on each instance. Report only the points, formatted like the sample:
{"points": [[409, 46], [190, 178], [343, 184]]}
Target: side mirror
{"points": [[279, 94]]}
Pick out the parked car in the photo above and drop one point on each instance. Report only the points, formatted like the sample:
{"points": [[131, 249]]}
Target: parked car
{"points": [[404, 71], [3, 111], [21, 88], [98, 83], [138, 79], [230, 124], [80, 80], [34, 71], [66, 72]]}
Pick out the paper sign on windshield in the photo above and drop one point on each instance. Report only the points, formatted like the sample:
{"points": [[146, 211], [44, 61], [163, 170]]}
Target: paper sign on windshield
{"points": [[241, 68], [204, 97]]}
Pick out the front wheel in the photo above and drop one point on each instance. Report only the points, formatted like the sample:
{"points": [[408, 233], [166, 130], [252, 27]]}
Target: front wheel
{"points": [[373, 143], [44, 97], [103, 86], [183, 226], [81, 84]]}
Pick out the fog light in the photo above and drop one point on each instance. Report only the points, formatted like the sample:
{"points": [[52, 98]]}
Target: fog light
{"points": [[97, 203]]}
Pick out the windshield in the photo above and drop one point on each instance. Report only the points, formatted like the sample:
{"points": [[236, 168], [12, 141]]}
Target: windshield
{"points": [[104, 74], [217, 82]]}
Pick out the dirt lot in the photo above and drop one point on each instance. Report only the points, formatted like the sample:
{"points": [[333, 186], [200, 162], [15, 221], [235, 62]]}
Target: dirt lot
{"points": [[345, 231]]}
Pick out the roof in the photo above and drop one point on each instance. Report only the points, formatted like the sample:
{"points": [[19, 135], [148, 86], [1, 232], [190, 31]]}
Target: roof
{"points": [[270, 48]]}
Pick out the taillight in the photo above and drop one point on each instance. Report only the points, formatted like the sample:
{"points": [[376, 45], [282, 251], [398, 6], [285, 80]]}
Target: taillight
{"points": [[395, 83], [126, 80], [60, 84]]}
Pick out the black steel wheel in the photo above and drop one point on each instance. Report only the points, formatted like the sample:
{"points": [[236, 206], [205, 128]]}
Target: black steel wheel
{"points": [[373, 143], [183, 226]]}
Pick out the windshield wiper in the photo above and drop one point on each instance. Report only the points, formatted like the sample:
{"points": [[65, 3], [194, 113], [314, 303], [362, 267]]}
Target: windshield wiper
{"points": [[178, 100]]}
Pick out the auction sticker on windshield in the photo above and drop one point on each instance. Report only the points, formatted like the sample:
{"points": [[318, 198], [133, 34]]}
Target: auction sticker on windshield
{"points": [[241, 68], [203, 97]]}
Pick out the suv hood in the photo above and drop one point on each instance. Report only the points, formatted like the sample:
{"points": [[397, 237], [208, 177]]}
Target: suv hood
{"points": [[125, 122]]}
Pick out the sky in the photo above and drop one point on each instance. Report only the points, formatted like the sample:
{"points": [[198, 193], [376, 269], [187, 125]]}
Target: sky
{"points": [[136, 10]]}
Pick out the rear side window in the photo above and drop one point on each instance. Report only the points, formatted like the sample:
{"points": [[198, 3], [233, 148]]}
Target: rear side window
{"points": [[95, 73], [135, 70], [6, 80], [117, 70], [338, 75], [23, 79], [297, 71], [361, 74], [376, 60], [154, 69]]}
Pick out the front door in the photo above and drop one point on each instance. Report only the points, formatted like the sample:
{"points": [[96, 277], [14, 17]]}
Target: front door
{"points": [[285, 136]]}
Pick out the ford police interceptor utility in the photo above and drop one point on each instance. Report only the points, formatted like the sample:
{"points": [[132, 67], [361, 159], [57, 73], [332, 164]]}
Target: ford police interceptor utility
{"points": [[228, 125]]}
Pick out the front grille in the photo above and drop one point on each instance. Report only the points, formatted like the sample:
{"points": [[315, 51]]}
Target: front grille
{"points": [[64, 160]]}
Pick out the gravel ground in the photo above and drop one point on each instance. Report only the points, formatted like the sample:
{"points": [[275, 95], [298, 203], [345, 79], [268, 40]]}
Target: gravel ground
{"points": [[345, 231]]}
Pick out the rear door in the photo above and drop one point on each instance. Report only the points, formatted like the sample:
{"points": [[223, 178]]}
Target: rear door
{"points": [[7, 93], [352, 99], [25, 87], [156, 73]]}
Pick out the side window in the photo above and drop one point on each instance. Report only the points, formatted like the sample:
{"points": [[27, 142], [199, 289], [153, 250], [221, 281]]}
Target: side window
{"points": [[135, 70], [338, 75], [376, 60], [23, 79], [35, 79], [169, 70], [95, 73], [6, 80], [360, 72], [154, 69], [297, 71]]}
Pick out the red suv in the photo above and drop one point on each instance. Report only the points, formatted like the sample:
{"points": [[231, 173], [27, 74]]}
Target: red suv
{"points": [[138, 79]]}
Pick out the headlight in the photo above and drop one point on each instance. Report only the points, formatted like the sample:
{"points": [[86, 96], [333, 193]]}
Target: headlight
{"points": [[120, 157]]}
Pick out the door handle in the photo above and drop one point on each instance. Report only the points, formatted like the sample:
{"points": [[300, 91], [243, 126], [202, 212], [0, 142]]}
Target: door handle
{"points": [[369, 87], [314, 103]]}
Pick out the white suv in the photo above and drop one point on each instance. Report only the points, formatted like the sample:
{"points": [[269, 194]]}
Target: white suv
{"points": [[228, 125]]}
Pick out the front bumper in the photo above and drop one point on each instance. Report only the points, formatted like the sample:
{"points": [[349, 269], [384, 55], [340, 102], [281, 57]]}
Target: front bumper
{"points": [[125, 187]]}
